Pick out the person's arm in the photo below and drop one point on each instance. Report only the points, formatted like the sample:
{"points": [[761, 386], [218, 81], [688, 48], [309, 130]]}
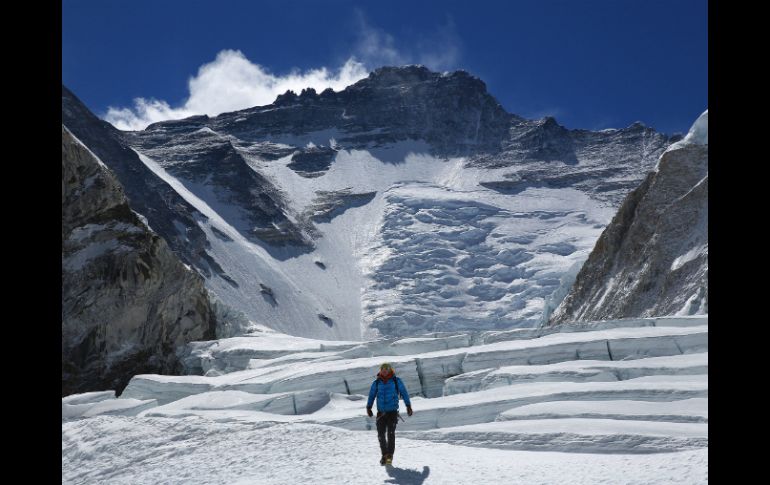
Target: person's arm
{"points": [[372, 394], [405, 395]]}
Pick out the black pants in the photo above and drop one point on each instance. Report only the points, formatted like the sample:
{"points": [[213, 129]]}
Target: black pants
{"points": [[387, 421]]}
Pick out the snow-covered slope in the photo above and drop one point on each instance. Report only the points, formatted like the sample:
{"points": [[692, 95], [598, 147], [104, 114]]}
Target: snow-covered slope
{"points": [[653, 258], [409, 202], [616, 401]]}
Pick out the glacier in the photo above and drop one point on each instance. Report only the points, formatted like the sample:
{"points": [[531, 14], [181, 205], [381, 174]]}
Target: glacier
{"points": [[623, 401]]}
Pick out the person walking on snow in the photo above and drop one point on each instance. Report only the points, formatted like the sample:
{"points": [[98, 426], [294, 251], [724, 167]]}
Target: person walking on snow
{"points": [[387, 388]]}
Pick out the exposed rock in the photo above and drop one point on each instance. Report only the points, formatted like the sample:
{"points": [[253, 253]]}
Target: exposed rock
{"points": [[605, 164], [453, 112], [128, 303], [202, 157], [313, 161], [267, 292], [652, 259], [328, 321], [328, 205], [167, 213]]}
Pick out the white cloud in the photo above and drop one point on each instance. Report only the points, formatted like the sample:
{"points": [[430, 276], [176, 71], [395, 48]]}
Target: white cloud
{"points": [[229, 83], [232, 82], [438, 50], [375, 47]]}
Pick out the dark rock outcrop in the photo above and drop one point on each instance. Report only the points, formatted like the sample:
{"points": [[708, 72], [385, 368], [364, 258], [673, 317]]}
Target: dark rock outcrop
{"points": [[312, 162], [128, 303], [200, 158], [328, 205], [167, 213]]}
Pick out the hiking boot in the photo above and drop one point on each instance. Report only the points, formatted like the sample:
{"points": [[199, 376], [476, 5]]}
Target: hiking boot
{"points": [[388, 459], [383, 460]]}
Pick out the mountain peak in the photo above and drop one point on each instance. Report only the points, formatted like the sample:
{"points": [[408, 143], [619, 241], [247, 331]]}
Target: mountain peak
{"points": [[406, 68], [548, 122], [416, 74], [401, 74]]}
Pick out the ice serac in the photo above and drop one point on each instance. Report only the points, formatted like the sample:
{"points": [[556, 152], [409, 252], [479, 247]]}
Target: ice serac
{"points": [[128, 303], [653, 257], [633, 389]]}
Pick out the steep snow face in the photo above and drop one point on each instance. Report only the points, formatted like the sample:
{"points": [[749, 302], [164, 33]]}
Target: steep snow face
{"points": [[257, 285], [698, 134], [216, 172], [653, 258], [409, 202]]}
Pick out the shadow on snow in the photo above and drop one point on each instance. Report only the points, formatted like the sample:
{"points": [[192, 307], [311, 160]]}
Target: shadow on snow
{"points": [[404, 476]]}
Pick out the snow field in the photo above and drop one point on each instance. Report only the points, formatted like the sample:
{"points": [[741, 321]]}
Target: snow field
{"points": [[133, 450], [568, 416]]}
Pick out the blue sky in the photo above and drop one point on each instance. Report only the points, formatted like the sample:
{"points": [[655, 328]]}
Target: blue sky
{"points": [[591, 64]]}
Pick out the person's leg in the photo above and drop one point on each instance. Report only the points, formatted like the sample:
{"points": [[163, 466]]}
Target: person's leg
{"points": [[392, 422], [381, 427]]}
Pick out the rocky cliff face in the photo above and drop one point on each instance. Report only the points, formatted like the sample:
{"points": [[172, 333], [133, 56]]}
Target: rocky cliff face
{"points": [[167, 213], [453, 112], [127, 300], [652, 260]]}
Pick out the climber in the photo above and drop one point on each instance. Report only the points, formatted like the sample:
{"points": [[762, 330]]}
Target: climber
{"points": [[387, 388]]}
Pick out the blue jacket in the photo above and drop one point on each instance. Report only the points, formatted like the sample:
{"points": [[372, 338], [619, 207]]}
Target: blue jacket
{"points": [[387, 398]]}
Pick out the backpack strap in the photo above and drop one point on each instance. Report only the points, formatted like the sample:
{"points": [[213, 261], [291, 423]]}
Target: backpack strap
{"points": [[398, 393]]}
